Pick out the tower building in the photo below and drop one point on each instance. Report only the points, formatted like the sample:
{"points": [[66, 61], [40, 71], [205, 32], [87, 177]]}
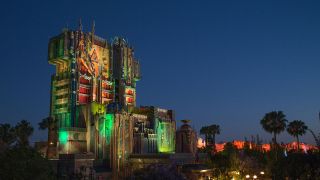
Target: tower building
{"points": [[91, 73], [93, 102]]}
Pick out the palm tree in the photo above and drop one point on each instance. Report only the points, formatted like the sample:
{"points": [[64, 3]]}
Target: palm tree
{"points": [[50, 124], [213, 130], [23, 131], [47, 123], [44, 124], [274, 122], [297, 128], [7, 135], [205, 131], [316, 138]]}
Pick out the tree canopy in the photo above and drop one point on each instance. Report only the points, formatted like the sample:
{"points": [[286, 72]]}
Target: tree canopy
{"points": [[274, 122], [20, 160]]}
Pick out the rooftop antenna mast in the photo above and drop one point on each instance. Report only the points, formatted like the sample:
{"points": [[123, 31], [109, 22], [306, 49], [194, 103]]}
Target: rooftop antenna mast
{"points": [[66, 28], [92, 32], [80, 25]]}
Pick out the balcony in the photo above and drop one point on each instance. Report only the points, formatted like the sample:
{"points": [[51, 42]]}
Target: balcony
{"points": [[83, 94], [106, 90], [61, 101], [128, 95], [107, 82], [61, 110], [61, 82], [61, 90]]}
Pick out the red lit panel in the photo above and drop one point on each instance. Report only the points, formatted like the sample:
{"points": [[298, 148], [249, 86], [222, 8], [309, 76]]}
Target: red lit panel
{"points": [[130, 92], [84, 81], [84, 99], [107, 95], [129, 100], [106, 86], [84, 90], [83, 69]]}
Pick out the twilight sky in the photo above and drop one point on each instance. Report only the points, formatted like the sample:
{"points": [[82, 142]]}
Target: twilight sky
{"points": [[223, 62]]}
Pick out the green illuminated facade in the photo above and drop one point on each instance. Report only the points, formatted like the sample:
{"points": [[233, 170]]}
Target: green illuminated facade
{"points": [[165, 138], [93, 100]]}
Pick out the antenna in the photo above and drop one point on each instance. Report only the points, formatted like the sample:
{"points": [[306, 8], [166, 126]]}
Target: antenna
{"points": [[80, 25], [66, 28], [92, 32]]}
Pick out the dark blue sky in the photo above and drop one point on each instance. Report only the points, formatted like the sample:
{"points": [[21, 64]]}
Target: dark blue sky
{"points": [[223, 62]]}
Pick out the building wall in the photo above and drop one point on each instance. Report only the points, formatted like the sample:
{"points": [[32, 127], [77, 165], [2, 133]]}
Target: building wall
{"points": [[122, 141], [90, 74], [186, 142], [155, 131], [186, 139]]}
